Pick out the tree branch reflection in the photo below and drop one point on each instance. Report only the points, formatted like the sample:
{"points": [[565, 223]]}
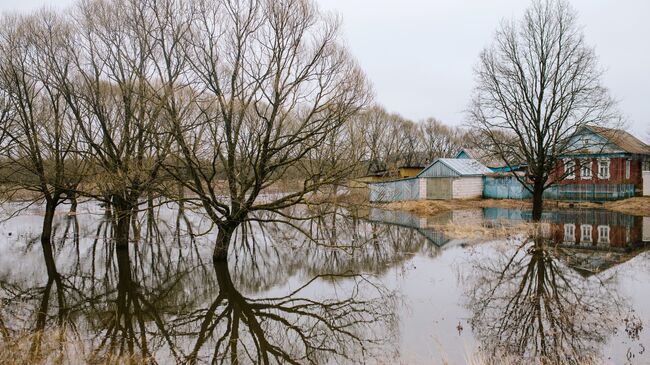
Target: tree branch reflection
{"points": [[528, 305]]}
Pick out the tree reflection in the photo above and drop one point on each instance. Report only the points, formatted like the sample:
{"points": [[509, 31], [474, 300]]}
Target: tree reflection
{"points": [[528, 305], [157, 302], [293, 328]]}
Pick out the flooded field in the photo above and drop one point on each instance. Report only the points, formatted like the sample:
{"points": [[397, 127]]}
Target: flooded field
{"points": [[375, 286]]}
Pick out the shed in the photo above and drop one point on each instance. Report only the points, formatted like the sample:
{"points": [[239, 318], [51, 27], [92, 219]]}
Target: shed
{"points": [[454, 178], [445, 178]]}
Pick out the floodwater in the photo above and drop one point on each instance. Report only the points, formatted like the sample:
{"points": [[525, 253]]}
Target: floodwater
{"points": [[371, 287]]}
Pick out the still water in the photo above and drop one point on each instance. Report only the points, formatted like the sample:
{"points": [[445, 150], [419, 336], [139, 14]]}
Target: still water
{"points": [[371, 287]]}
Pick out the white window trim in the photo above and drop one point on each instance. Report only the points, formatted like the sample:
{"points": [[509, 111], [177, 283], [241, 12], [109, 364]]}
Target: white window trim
{"points": [[569, 228], [572, 163], [609, 174], [602, 238], [584, 164], [583, 236], [628, 168]]}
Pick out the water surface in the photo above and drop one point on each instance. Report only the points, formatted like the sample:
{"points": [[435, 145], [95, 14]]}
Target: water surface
{"points": [[375, 286]]}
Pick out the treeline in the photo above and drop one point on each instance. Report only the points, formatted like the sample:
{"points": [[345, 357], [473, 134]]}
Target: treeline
{"points": [[214, 102], [389, 141]]}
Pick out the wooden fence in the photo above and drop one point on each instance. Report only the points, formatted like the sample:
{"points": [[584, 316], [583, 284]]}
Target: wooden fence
{"points": [[509, 187]]}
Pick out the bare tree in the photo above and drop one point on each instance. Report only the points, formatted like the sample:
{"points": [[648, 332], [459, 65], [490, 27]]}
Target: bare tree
{"points": [[439, 140], [271, 85], [538, 84], [108, 86], [40, 138]]}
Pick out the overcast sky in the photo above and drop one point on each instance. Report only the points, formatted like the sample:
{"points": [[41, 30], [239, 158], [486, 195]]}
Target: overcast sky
{"points": [[419, 54]]}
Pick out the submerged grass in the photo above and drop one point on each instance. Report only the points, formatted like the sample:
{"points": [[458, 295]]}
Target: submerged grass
{"points": [[634, 206], [56, 346]]}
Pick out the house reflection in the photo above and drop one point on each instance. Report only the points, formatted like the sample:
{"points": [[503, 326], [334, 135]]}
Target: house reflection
{"points": [[589, 240]]}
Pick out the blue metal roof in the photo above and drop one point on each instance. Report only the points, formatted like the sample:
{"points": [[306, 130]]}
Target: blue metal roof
{"points": [[462, 166]]}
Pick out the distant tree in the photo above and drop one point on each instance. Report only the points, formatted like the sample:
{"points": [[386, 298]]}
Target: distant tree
{"points": [[440, 140], [410, 142], [537, 85]]}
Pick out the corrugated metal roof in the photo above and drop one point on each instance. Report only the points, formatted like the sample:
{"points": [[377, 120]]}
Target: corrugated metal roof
{"points": [[623, 139], [465, 166]]}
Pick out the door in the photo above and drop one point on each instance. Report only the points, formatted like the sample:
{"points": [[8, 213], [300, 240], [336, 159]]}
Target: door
{"points": [[439, 188]]}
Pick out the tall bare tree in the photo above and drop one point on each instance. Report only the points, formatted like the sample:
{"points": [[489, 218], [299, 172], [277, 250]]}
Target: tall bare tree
{"points": [[40, 141], [110, 89], [272, 84], [538, 84]]}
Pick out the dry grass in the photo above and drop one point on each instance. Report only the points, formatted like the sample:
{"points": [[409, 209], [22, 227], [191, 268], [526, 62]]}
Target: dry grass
{"points": [[432, 207], [56, 346], [486, 231], [635, 206]]}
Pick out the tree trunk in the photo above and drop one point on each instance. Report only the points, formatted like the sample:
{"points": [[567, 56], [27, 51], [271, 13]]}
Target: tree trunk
{"points": [[46, 236], [73, 204], [123, 213], [538, 200], [223, 242]]}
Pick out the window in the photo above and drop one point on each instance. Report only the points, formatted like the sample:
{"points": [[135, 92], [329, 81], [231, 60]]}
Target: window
{"points": [[603, 234], [586, 142], [646, 165], [569, 233], [627, 169], [585, 231], [585, 169], [603, 169], [569, 169]]}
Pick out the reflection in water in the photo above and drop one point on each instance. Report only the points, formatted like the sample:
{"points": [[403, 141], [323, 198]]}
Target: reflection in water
{"points": [[291, 328], [529, 305], [322, 291], [161, 303]]}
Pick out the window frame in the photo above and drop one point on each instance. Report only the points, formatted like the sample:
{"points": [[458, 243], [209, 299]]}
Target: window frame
{"points": [[588, 164], [569, 162], [628, 168], [602, 238], [604, 162], [567, 230], [590, 235]]}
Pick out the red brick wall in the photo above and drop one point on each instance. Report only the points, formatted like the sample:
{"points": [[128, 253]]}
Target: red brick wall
{"points": [[619, 236], [616, 172]]}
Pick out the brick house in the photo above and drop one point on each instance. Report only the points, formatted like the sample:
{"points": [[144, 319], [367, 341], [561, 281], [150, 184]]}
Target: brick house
{"points": [[603, 159]]}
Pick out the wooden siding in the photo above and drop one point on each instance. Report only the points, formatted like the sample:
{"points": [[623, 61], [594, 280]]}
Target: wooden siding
{"points": [[616, 171], [438, 169], [468, 187]]}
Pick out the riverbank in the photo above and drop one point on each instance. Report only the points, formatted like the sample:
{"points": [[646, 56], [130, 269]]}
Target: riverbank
{"points": [[633, 206]]}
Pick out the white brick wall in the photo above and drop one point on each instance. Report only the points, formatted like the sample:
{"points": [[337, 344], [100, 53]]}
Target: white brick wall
{"points": [[468, 187], [423, 188]]}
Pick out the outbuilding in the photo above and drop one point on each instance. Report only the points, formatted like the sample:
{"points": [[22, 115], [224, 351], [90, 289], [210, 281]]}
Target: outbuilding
{"points": [[445, 178]]}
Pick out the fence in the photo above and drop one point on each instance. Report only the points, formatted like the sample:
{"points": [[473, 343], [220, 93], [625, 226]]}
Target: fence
{"points": [[396, 190], [509, 187]]}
